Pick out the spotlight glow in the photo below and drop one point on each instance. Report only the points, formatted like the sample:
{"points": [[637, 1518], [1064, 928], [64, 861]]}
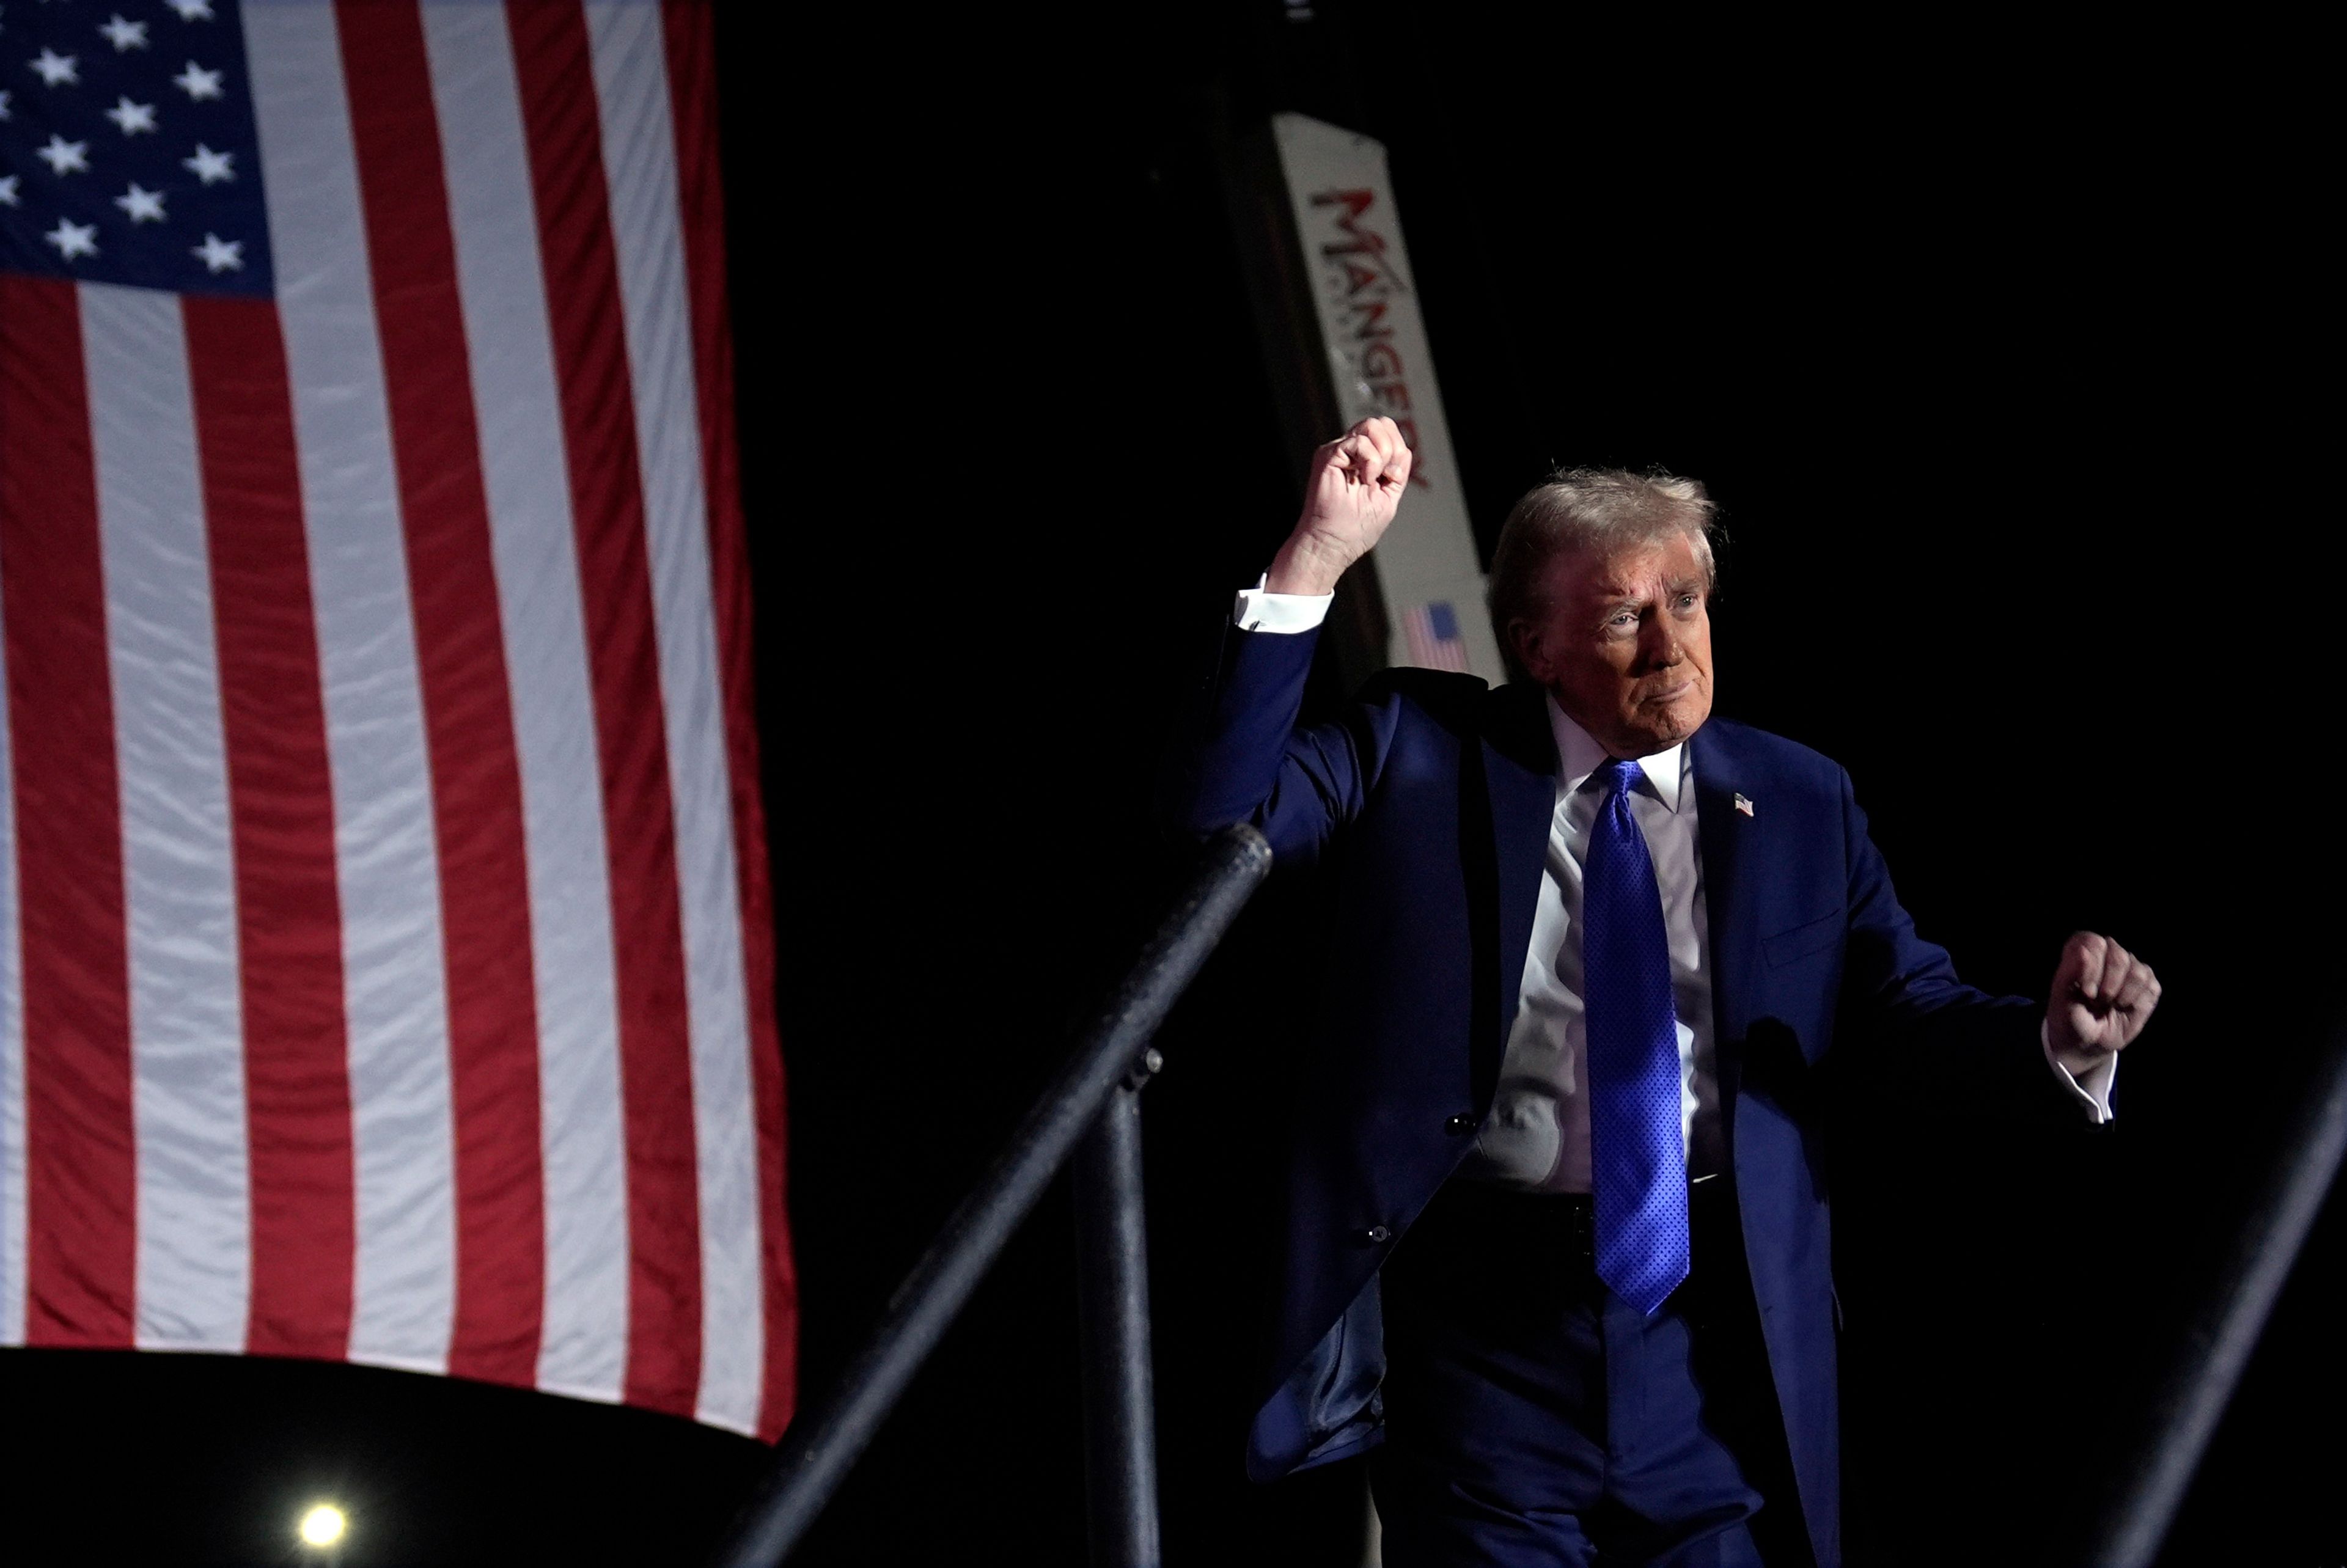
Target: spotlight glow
{"points": [[323, 1525]]}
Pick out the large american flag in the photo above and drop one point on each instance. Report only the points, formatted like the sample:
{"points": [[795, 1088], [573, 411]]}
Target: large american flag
{"points": [[385, 948]]}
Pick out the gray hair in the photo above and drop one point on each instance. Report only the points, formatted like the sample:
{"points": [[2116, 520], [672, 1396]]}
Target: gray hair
{"points": [[1590, 508]]}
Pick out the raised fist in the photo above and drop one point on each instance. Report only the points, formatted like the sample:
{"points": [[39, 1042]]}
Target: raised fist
{"points": [[1349, 497]]}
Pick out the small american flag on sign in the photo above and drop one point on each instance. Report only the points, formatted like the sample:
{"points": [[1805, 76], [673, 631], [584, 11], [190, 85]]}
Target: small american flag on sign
{"points": [[1432, 632]]}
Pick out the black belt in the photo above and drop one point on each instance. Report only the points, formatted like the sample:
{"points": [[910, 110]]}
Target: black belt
{"points": [[1471, 1226]]}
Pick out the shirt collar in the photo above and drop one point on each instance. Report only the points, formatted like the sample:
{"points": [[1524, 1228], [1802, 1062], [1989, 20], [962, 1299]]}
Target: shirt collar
{"points": [[1578, 756]]}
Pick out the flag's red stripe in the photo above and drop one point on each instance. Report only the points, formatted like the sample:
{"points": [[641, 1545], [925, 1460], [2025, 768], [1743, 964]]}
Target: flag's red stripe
{"points": [[467, 706], [281, 810], [693, 98], [554, 68], [80, 1159]]}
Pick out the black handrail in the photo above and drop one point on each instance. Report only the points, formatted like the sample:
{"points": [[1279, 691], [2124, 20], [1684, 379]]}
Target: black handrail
{"points": [[2224, 1330], [820, 1448], [1113, 1314]]}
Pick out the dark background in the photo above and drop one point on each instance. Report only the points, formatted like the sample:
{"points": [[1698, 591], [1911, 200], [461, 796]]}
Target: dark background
{"points": [[1990, 345]]}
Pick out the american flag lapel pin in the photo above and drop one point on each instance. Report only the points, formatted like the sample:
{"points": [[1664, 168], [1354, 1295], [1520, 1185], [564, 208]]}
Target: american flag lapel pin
{"points": [[1744, 804]]}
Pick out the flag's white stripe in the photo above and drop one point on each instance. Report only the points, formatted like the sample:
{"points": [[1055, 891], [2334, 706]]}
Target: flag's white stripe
{"points": [[179, 869], [384, 854], [640, 163], [11, 1042], [585, 1349]]}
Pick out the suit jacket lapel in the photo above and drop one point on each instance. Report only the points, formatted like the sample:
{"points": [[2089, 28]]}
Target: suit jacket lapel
{"points": [[1730, 848], [1519, 763]]}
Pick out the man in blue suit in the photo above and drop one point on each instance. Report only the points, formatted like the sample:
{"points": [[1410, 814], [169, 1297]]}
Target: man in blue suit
{"points": [[1555, 1243]]}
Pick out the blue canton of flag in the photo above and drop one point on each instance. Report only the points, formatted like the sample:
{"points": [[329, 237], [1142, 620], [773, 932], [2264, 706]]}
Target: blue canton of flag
{"points": [[128, 148]]}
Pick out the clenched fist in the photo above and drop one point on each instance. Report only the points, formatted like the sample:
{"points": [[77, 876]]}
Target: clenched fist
{"points": [[2103, 996], [1355, 485]]}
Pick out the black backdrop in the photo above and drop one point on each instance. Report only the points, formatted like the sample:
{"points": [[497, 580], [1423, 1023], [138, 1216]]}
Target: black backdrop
{"points": [[1990, 347]]}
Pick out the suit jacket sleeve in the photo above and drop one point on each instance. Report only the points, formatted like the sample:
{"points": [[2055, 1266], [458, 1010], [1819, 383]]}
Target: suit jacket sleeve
{"points": [[1245, 760]]}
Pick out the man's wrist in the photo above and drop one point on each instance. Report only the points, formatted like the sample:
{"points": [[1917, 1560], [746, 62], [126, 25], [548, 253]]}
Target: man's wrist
{"points": [[2074, 1060], [2087, 1081], [1305, 566]]}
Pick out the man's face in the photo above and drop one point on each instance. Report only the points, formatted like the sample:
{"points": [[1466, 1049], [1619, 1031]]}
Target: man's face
{"points": [[1626, 643]]}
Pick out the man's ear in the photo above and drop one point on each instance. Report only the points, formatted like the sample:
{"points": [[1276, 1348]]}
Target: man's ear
{"points": [[1525, 637]]}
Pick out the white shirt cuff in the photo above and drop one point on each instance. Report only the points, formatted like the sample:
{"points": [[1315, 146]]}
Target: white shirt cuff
{"points": [[2093, 1092], [1258, 610]]}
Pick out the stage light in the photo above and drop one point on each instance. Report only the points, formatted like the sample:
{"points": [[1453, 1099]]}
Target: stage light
{"points": [[323, 1525]]}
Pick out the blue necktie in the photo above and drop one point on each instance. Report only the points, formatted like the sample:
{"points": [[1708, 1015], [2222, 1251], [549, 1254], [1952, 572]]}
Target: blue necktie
{"points": [[1638, 1147]]}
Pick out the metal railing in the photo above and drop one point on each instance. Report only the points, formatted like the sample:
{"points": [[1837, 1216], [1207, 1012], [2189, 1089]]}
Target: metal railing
{"points": [[1096, 1094]]}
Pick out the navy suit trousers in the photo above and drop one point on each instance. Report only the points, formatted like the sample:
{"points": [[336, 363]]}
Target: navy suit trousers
{"points": [[1535, 1420]]}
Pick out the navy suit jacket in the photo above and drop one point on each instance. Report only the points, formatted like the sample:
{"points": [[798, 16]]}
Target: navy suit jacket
{"points": [[1429, 804]]}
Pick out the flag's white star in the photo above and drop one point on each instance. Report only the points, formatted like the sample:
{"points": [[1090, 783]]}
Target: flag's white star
{"points": [[191, 10], [220, 255], [56, 67], [124, 34], [4, 103], [65, 157], [207, 166], [132, 118], [199, 83], [144, 206], [73, 239], [8, 191]]}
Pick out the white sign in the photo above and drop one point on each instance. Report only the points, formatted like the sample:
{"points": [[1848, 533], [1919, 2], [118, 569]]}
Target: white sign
{"points": [[1343, 202]]}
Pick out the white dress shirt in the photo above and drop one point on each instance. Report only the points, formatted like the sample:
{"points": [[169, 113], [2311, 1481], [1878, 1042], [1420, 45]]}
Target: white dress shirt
{"points": [[1536, 1136]]}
